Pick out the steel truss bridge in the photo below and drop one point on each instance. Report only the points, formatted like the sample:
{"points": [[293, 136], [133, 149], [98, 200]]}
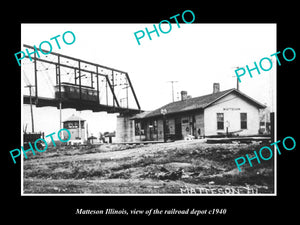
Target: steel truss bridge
{"points": [[90, 86]]}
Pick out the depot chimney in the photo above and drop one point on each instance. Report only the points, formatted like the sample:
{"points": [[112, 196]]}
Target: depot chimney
{"points": [[216, 88], [183, 95]]}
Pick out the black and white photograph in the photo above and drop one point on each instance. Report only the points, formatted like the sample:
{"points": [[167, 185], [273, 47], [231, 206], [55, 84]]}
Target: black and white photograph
{"points": [[165, 114], [149, 111]]}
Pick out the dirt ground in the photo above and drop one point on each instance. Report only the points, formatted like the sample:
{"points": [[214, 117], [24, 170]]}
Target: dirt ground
{"points": [[181, 167]]}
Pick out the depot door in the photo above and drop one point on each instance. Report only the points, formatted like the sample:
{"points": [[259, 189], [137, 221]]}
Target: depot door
{"points": [[178, 132]]}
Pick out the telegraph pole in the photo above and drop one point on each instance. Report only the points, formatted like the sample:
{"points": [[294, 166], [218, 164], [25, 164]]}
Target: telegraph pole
{"points": [[164, 112], [126, 87], [31, 111], [172, 82], [79, 125], [237, 80]]}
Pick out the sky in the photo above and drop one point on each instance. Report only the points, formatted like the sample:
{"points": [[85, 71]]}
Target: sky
{"points": [[194, 55]]}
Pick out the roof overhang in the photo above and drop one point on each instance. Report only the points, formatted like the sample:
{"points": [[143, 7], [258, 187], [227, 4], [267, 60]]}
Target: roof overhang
{"points": [[246, 97]]}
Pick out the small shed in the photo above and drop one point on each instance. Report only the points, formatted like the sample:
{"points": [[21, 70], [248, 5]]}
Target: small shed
{"points": [[76, 126]]}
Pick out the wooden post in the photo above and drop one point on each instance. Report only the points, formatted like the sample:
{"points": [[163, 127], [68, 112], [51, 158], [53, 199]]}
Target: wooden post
{"points": [[272, 126], [31, 111], [79, 71], [97, 85], [35, 79]]}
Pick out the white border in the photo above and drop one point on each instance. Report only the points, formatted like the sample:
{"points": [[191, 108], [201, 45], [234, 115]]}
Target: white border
{"points": [[195, 195]]}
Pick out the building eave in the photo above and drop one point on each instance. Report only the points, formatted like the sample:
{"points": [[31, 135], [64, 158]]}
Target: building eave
{"points": [[246, 97], [204, 106]]}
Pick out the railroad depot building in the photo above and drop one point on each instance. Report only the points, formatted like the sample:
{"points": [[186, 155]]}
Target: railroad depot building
{"points": [[217, 114]]}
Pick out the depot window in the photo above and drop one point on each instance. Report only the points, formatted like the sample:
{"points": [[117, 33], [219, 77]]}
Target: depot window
{"points": [[220, 121], [243, 120]]}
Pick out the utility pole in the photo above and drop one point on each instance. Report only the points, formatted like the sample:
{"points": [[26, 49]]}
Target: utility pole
{"points": [[31, 111], [58, 81], [172, 82], [126, 87], [79, 127], [272, 75], [164, 112], [237, 80]]}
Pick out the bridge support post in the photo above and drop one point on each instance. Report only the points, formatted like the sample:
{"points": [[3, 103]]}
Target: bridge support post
{"points": [[125, 129]]}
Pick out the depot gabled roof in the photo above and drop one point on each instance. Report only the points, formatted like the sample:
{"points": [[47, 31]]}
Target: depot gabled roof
{"points": [[200, 102]]}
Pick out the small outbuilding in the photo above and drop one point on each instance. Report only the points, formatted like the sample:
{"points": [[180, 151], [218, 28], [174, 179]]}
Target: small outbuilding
{"points": [[76, 126]]}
